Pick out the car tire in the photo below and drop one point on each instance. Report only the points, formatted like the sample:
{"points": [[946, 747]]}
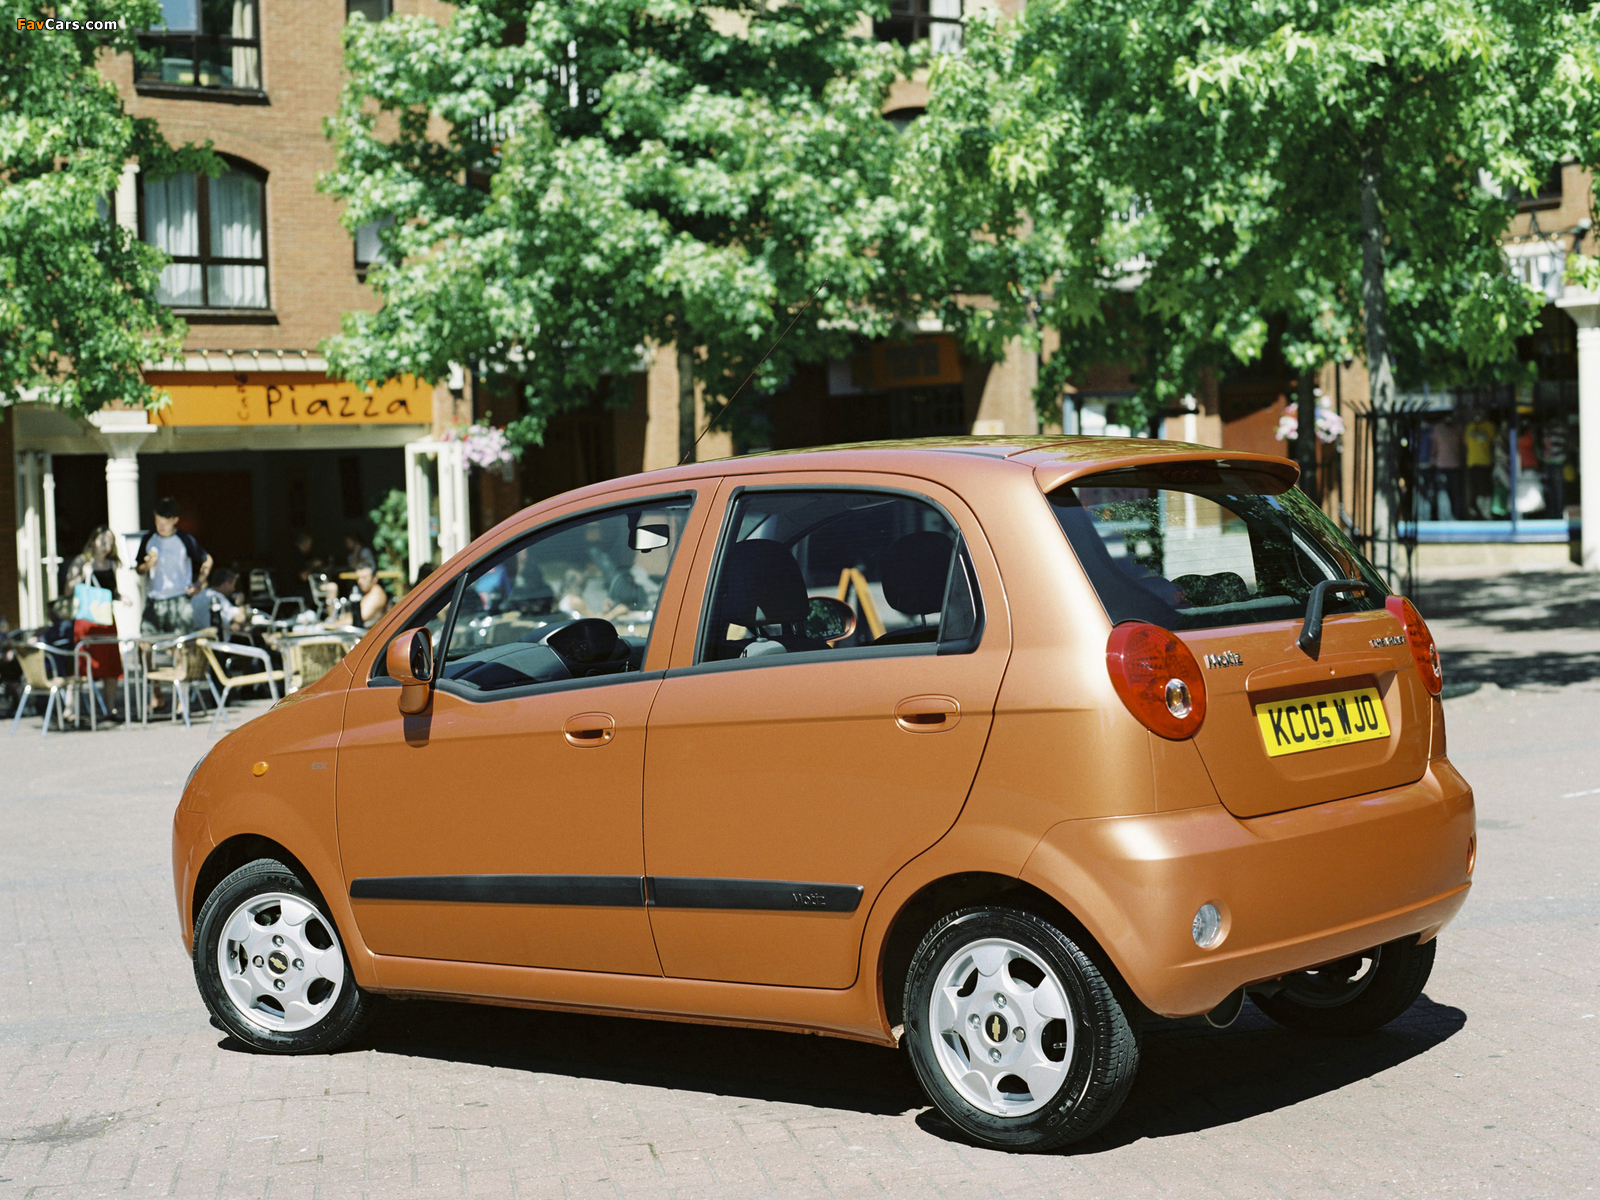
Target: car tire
{"points": [[270, 966], [1355, 995], [979, 976]]}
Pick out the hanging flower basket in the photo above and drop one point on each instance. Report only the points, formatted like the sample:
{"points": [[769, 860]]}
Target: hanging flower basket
{"points": [[483, 446], [1329, 426]]}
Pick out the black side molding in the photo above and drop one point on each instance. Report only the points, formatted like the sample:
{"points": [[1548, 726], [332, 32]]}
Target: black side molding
{"points": [[589, 891], [615, 891], [763, 895]]}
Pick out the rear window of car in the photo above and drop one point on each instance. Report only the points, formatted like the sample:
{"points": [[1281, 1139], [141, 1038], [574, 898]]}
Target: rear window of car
{"points": [[1197, 546]]}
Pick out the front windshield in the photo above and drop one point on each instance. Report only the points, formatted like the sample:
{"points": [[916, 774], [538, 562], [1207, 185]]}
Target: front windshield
{"points": [[1197, 546]]}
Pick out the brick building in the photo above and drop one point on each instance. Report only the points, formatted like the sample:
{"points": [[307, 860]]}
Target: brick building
{"points": [[259, 442]]}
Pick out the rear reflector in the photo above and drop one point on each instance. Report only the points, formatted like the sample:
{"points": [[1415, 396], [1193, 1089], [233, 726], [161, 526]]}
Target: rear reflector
{"points": [[1423, 651], [1158, 679]]}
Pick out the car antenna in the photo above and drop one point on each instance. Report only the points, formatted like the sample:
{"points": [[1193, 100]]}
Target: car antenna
{"points": [[723, 411]]}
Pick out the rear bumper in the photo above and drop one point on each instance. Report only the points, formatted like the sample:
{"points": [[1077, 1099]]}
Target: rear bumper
{"points": [[1296, 888]]}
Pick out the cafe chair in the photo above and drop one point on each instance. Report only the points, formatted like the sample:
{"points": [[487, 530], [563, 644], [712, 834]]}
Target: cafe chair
{"points": [[309, 659], [265, 596], [189, 669], [62, 689], [267, 675]]}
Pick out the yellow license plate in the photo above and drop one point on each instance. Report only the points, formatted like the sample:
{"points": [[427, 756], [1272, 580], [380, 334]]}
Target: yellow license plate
{"points": [[1314, 722]]}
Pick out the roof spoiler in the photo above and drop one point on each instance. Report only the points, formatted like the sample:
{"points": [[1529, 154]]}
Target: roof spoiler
{"points": [[1063, 468]]}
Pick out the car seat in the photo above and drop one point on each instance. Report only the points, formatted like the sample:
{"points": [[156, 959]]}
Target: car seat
{"points": [[761, 587]]}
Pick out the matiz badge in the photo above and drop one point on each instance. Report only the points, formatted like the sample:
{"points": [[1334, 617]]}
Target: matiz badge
{"points": [[1228, 658]]}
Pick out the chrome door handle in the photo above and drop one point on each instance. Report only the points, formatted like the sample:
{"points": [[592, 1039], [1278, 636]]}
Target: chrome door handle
{"points": [[927, 714], [589, 729]]}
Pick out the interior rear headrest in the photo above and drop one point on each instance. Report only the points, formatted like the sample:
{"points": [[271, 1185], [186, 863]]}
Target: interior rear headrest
{"points": [[915, 570], [762, 585]]}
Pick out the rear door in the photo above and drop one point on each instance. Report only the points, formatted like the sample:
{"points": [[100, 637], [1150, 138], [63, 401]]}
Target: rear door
{"points": [[790, 772], [1228, 559]]}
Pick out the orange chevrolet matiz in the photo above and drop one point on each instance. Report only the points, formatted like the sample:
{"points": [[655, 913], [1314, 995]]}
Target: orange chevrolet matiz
{"points": [[994, 748]]}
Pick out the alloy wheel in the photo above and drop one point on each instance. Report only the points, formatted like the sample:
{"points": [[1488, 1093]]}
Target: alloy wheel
{"points": [[1002, 1026]]}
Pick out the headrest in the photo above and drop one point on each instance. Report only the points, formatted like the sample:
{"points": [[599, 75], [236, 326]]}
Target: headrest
{"points": [[762, 585], [915, 570]]}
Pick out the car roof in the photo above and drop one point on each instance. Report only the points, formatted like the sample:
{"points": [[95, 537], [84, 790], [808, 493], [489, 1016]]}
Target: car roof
{"points": [[1053, 458]]}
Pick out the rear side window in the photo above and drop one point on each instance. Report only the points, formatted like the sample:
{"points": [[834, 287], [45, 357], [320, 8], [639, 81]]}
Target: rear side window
{"points": [[1196, 546], [833, 570]]}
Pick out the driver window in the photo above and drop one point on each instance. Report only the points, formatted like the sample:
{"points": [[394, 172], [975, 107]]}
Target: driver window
{"points": [[819, 570], [569, 602]]}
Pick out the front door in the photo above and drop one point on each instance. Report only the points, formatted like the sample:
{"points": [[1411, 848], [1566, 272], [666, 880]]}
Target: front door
{"points": [[504, 825], [792, 772]]}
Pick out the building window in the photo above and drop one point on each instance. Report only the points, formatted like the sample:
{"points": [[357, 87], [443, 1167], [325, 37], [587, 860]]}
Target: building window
{"points": [[215, 231], [913, 20], [369, 244], [203, 44], [1546, 195], [372, 10]]}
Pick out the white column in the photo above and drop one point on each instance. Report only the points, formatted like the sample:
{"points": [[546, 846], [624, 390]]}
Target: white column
{"points": [[30, 568], [122, 433], [51, 558], [1584, 308]]}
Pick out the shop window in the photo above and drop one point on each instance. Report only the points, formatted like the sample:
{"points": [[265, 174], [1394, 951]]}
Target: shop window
{"points": [[369, 244], [372, 10], [203, 47], [939, 21], [215, 231]]}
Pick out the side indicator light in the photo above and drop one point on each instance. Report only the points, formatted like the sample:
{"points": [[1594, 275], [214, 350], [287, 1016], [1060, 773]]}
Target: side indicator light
{"points": [[1423, 650], [1156, 676], [259, 769]]}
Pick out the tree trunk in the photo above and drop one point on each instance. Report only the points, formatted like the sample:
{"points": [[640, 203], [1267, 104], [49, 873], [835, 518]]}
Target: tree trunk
{"points": [[688, 423], [1305, 442], [1375, 306]]}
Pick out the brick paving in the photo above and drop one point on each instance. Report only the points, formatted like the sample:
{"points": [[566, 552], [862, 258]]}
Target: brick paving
{"points": [[113, 1081]]}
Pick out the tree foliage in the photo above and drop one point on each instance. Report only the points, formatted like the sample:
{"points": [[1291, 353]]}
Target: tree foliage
{"points": [[78, 314], [1166, 177], [572, 181]]}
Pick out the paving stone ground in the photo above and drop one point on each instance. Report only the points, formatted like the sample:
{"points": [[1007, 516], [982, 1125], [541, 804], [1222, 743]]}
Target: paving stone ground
{"points": [[113, 1081]]}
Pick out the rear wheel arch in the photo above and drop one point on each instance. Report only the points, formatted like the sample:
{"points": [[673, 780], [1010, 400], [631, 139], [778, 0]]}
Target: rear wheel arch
{"points": [[945, 895], [233, 853]]}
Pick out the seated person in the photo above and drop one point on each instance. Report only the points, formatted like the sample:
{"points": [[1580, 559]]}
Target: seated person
{"points": [[368, 600], [220, 606]]}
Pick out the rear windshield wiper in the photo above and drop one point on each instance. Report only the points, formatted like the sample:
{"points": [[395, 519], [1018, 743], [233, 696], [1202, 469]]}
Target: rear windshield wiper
{"points": [[1310, 639]]}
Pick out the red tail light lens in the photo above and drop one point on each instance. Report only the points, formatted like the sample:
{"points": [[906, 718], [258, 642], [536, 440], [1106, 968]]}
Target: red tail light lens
{"points": [[1157, 677], [1423, 651]]}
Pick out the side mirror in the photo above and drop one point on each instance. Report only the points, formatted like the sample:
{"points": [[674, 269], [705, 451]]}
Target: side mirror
{"points": [[409, 659], [830, 620], [650, 537]]}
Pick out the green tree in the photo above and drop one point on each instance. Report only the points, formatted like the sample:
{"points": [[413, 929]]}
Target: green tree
{"points": [[568, 183], [1176, 175], [78, 314]]}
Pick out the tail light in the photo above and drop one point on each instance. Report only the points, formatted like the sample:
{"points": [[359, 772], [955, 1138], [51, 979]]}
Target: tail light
{"points": [[1157, 677], [1423, 652]]}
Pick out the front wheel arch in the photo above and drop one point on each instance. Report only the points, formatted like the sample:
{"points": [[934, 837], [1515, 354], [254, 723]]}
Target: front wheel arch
{"points": [[234, 852]]}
